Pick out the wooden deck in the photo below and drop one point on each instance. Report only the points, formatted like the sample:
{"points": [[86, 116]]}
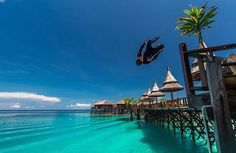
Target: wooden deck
{"points": [[210, 112]]}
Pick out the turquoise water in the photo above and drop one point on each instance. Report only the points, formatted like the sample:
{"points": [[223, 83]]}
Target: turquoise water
{"points": [[77, 132]]}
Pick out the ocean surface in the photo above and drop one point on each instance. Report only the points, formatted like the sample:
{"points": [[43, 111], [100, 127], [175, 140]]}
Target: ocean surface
{"points": [[78, 132]]}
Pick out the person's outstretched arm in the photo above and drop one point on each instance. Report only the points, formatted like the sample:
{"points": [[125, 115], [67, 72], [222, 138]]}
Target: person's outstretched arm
{"points": [[141, 49]]}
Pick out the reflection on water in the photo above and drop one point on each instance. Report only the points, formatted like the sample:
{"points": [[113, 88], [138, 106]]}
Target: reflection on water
{"points": [[78, 132], [163, 140]]}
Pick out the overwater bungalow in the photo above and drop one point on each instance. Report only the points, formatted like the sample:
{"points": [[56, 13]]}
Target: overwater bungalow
{"points": [[120, 107], [103, 106]]}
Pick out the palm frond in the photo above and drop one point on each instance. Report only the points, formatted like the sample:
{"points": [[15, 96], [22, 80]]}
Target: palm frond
{"points": [[196, 19]]}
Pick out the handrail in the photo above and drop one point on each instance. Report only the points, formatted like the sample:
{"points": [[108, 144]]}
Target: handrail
{"points": [[229, 64], [211, 49], [205, 116]]}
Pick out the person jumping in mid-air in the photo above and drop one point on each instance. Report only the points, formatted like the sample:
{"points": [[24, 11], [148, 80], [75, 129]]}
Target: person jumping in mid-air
{"points": [[150, 53]]}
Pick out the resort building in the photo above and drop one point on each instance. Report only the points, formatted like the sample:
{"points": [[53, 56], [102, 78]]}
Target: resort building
{"points": [[103, 106], [120, 107]]}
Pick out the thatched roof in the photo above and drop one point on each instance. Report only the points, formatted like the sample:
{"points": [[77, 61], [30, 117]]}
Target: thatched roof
{"points": [[157, 94], [155, 87], [170, 84], [147, 93], [104, 102], [121, 102], [169, 77], [171, 87], [155, 91], [232, 58], [145, 96]]}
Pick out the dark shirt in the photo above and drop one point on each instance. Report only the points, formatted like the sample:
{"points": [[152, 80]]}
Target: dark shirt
{"points": [[149, 51]]}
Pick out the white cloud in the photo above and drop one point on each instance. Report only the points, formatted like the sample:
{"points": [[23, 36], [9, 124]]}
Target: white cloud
{"points": [[28, 96], [16, 105], [79, 105]]}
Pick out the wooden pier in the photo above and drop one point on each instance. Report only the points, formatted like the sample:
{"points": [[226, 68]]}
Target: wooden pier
{"points": [[210, 109], [182, 120]]}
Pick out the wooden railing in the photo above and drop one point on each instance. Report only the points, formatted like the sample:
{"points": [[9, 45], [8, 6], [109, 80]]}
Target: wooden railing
{"points": [[177, 103], [215, 92], [203, 55]]}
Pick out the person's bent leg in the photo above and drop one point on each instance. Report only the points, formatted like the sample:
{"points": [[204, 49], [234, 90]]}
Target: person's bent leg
{"points": [[155, 53], [159, 47], [153, 57]]}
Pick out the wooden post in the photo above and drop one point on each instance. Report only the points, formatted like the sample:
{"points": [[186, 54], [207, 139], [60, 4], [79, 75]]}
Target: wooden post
{"points": [[131, 114], [192, 126], [172, 97], [222, 120], [173, 121], [186, 70], [181, 124]]}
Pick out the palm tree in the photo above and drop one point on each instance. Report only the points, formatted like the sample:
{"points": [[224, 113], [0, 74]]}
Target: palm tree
{"points": [[197, 19], [129, 103], [137, 101]]}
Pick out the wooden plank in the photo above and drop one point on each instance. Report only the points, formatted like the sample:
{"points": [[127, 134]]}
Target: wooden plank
{"points": [[229, 64], [186, 69], [222, 120], [201, 88], [199, 100], [212, 49]]}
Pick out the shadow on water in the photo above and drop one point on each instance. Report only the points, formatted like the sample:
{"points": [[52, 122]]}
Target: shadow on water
{"points": [[162, 140]]}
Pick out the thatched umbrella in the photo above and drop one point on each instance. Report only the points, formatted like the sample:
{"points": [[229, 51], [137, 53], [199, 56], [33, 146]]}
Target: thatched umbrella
{"points": [[155, 91], [170, 84], [145, 97]]}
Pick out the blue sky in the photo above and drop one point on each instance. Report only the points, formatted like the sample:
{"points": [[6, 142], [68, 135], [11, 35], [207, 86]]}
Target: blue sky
{"points": [[82, 51]]}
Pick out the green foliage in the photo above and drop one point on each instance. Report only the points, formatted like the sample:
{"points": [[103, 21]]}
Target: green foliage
{"points": [[137, 101], [129, 101], [132, 101], [196, 20]]}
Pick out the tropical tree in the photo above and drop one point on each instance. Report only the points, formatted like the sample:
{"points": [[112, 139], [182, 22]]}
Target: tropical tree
{"points": [[137, 101], [131, 103], [128, 101], [197, 19]]}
